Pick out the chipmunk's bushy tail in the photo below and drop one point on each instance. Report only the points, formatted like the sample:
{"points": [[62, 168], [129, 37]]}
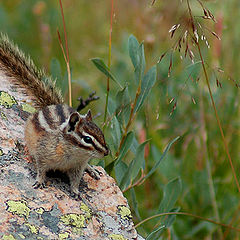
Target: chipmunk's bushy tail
{"points": [[23, 72]]}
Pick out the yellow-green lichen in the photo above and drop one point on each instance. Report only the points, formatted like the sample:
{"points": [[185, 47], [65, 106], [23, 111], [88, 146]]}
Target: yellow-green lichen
{"points": [[63, 235], [86, 210], [1, 152], [117, 237], [74, 220], [21, 236], [32, 228], [124, 212], [40, 210], [3, 116], [28, 108], [8, 237], [7, 100], [18, 207]]}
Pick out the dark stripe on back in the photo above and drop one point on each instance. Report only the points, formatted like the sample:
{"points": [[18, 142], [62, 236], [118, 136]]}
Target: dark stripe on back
{"points": [[47, 115], [36, 123], [60, 113]]}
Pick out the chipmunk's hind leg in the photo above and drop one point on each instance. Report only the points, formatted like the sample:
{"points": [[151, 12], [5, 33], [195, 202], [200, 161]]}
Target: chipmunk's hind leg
{"points": [[41, 177]]}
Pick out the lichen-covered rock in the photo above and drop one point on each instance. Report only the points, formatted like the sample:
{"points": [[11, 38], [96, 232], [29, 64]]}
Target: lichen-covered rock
{"points": [[50, 213]]}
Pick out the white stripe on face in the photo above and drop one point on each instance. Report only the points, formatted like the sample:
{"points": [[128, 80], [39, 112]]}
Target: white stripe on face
{"points": [[94, 141]]}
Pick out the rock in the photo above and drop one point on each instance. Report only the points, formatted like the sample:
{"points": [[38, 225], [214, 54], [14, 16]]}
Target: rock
{"points": [[50, 213]]}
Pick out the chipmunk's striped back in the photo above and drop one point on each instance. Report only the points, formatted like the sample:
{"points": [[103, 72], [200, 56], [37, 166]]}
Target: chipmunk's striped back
{"points": [[56, 136], [77, 129], [51, 117]]}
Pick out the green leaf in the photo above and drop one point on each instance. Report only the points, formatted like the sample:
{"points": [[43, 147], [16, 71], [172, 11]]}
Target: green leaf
{"points": [[135, 203], [171, 218], [134, 146], [133, 46], [56, 73], [152, 235], [116, 132], [139, 71], [134, 166], [55, 69], [111, 106], [138, 161], [193, 70], [127, 177], [122, 98], [122, 105], [136, 53], [168, 221], [109, 168], [98, 62], [120, 170], [161, 158], [125, 147], [170, 195], [64, 83], [101, 163], [146, 86]]}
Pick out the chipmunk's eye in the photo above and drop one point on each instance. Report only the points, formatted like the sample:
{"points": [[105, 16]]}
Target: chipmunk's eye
{"points": [[87, 139]]}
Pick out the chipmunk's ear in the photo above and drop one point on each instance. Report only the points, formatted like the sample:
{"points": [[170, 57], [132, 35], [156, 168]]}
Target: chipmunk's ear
{"points": [[73, 121], [89, 115]]}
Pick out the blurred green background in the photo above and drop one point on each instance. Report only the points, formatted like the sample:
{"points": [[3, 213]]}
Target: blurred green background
{"points": [[199, 158]]}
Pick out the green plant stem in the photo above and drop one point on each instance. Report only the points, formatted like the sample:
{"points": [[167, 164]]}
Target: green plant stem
{"points": [[67, 56], [109, 64], [204, 137], [131, 118], [234, 220], [140, 181], [217, 117], [189, 215], [213, 102]]}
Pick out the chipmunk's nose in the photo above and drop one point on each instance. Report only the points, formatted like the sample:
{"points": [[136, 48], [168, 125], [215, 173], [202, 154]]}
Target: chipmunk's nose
{"points": [[106, 152]]}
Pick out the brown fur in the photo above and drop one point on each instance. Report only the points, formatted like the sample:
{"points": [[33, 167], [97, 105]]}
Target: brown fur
{"points": [[52, 144], [24, 73], [55, 146]]}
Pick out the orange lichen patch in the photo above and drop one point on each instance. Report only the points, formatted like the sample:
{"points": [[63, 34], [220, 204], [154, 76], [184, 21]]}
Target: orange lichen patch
{"points": [[67, 205], [8, 192], [50, 196], [7, 144]]}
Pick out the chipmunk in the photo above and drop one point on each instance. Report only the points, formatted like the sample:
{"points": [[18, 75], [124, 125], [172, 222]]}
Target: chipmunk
{"points": [[57, 136]]}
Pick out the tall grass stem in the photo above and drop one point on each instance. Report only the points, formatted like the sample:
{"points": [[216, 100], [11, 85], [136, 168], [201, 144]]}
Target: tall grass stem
{"points": [[109, 63]]}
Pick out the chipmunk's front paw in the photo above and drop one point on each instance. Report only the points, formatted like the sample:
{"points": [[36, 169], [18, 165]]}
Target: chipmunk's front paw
{"points": [[94, 173], [75, 195], [39, 185]]}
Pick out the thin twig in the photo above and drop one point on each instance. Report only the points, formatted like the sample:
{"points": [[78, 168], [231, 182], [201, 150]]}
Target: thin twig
{"points": [[203, 133], [214, 106], [109, 63], [61, 45], [140, 181], [66, 57], [189, 215], [217, 118]]}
